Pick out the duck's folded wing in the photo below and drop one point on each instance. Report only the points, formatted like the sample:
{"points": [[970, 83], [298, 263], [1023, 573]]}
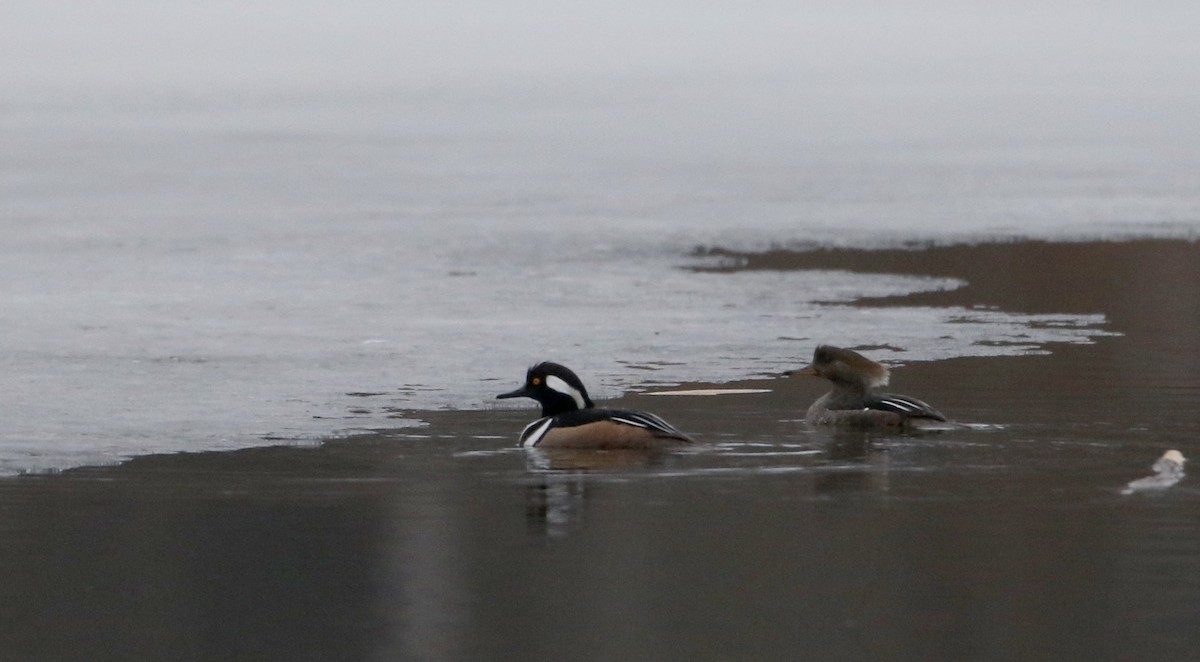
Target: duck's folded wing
{"points": [[903, 405], [657, 426]]}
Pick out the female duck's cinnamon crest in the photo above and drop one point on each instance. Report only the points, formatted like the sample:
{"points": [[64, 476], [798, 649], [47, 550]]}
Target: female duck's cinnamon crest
{"points": [[570, 419], [846, 367], [854, 400]]}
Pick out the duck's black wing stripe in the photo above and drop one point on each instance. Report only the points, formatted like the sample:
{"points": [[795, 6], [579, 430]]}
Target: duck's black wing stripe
{"points": [[902, 404], [649, 421]]}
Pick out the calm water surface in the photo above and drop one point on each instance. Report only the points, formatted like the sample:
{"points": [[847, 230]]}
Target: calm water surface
{"points": [[219, 226], [998, 543], [224, 230]]}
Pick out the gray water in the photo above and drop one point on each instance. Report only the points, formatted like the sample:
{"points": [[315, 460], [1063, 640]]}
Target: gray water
{"points": [[223, 225]]}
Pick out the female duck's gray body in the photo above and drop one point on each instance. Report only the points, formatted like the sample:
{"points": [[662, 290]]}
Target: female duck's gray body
{"points": [[570, 419], [854, 401]]}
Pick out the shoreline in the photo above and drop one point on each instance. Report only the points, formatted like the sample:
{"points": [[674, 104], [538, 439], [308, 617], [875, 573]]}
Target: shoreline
{"points": [[997, 275], [429, 542]]}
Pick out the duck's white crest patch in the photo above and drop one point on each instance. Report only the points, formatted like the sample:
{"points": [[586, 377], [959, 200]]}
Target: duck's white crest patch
{"points": [[558, 384], [531, 439]]}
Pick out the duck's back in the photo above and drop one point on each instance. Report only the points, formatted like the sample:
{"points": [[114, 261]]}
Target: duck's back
{"points": [[603, 429], [873, 410]]}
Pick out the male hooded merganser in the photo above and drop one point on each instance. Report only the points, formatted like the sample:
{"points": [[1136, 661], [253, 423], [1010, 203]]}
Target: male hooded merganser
{"points": [[570, 420], [854, 402]]}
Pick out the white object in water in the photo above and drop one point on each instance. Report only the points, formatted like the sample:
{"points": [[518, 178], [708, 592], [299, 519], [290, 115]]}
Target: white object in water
{"points": [[1168, 471]]}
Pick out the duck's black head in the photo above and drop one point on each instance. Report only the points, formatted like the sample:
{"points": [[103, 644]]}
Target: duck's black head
{"points": [[555, 387]]}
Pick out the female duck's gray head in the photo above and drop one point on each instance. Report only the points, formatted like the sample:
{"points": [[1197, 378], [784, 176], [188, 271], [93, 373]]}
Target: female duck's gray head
{"points": [[846, 368]]}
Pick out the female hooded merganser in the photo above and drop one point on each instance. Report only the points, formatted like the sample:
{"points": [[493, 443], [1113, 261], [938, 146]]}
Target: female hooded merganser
{"points": [[570, 420], [854, 402]]}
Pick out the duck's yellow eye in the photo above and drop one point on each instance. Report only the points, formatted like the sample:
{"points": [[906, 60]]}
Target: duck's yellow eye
{"points": [[537, 381]]}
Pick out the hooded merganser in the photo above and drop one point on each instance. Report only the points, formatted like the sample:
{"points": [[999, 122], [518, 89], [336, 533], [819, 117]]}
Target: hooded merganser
{"points": [[854, 402], [1168, 470], [570, 420]]}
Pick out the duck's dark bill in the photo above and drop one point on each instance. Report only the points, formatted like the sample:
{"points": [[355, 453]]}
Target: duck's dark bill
{"points": [[519, 393]]}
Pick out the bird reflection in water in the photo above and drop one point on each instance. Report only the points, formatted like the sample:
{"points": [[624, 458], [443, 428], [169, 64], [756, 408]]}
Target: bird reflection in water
{"points": [[858, 463], [556, 492]]}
